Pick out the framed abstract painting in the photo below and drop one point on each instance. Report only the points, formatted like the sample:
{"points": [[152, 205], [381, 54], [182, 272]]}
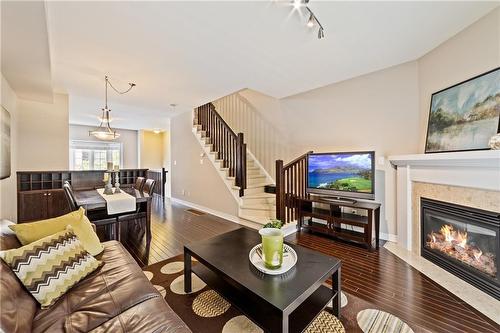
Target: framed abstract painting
{"points": [[465, 116], [4, 144]]}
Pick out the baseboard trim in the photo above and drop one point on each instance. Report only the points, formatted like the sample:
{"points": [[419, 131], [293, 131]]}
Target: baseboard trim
{"points": [[217, 213], [388, 237]]}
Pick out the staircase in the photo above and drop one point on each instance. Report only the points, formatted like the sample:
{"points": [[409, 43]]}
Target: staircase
{"points": [[241, 172]]}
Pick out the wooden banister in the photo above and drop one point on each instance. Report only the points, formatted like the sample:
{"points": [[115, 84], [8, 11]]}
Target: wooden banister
{"points": [[230, 147], [290, 184]]}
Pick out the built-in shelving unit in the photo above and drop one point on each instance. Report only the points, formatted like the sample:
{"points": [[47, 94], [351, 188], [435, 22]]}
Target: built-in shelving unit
{"points": [[33, 181], [40, 193]]}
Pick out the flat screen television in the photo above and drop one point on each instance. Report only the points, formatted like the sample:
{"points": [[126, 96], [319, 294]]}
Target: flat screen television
{"points": [[346, 174]]}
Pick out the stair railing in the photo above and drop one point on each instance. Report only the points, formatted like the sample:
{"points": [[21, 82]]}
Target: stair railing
{"points": [[230, 147], [290, 184], [266, 141]]}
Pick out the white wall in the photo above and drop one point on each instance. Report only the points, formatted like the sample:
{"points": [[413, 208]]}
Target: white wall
{"points": [[471, 52], [43, 134], [193, 181], [377, 111], [8, 186], [128, 138]]}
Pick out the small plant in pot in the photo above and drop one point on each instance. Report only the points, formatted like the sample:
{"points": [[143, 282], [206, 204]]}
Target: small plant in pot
{"points": [[272, 244]]}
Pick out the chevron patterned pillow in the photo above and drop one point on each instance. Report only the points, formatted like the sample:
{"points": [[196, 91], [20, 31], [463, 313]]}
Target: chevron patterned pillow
{"points": [[51, 266]]}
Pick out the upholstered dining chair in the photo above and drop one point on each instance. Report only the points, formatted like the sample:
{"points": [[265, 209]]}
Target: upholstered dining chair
{"points": [[139, 183], [149, 186]]}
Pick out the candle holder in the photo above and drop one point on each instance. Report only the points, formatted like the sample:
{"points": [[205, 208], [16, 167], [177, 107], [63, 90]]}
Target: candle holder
{"points": [[117, 183], [108, 188]]}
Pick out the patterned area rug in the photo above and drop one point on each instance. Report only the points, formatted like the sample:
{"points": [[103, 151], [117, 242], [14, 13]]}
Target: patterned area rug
{"points": [[205, 311]]}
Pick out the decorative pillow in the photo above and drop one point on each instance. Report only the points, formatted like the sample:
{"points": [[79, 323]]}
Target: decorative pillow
{"points": [[29, 232], [51, 265]]}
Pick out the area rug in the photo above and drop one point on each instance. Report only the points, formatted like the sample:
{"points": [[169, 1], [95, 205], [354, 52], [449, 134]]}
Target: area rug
{"points": [[205, 311]]}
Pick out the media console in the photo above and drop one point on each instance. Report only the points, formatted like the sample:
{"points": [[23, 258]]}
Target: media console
{"points": [[334, 214]]}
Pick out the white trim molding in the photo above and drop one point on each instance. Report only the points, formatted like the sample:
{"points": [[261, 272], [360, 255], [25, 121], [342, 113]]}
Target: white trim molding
{"points": [[473, 169], [388, 237], [288, 229]]}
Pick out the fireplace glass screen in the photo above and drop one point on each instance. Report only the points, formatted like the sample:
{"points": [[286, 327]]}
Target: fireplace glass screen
{"points": [[466, 243]]}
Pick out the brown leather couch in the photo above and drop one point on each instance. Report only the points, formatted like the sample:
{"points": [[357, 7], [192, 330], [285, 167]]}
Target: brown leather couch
{"points": [[116, 298]]}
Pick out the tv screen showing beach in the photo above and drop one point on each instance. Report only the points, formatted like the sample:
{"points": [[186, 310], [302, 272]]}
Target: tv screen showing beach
{"points": [[350, 172]]}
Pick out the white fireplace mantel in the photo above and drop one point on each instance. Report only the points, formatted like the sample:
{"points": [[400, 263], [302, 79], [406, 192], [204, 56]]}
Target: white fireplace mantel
{"points": [[473, 169], [480, 158]]}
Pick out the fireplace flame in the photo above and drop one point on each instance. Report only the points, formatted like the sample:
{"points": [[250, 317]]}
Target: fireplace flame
{"points": [[477, 254], [453, 236], [454, 243]]}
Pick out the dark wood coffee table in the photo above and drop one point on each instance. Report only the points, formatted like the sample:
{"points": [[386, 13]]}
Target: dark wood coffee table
{"points": [[283, 303]]}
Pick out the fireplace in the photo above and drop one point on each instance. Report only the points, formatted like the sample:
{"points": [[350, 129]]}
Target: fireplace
{"points": [[465, 241]]}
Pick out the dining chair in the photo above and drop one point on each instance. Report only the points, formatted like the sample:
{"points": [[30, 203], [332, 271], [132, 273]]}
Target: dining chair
{"points": [[139, 183], [138, 216], [70, 198], [149, 186], [98, 218]]}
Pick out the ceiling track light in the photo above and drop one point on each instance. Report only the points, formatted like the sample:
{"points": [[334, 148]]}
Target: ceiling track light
{"points": [[297, 4], [310, 22], [321, 33]]}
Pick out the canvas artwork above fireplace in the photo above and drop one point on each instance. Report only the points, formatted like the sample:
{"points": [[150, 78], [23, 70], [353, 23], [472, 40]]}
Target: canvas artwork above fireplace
{"points": [[464, 241]]}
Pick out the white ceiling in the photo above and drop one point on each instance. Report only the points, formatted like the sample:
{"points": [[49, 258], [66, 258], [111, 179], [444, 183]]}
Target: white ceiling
{"points": [[190, 53]]}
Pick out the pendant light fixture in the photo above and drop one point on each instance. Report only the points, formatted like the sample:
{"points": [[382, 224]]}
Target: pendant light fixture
{"points": [[104, 131]]}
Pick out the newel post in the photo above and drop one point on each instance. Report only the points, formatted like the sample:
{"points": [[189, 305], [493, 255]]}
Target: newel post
{"points": [[241, 164], [280, 192]]}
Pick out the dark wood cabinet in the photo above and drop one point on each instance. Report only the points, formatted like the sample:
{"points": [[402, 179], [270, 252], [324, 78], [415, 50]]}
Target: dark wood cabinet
{"points": [[32, 205], [40, 194], [56, 203], [39, 205]]}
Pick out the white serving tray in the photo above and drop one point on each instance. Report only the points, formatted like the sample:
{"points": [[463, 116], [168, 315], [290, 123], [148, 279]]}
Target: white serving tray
{"points": [[289, 260]]}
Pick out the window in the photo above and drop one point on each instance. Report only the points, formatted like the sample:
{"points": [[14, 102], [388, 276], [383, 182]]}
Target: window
{"points": [[94, 155]]}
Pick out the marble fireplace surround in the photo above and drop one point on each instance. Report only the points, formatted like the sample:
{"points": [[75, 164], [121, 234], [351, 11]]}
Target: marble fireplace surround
{"points": [[465, 178]]}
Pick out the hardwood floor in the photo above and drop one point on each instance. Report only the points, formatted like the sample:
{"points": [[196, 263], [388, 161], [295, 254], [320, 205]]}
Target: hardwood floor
{"points": [[378, 277], [172, 226]]}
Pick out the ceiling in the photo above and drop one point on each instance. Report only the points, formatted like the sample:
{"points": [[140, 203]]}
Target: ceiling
{"points": [[190, 53]]}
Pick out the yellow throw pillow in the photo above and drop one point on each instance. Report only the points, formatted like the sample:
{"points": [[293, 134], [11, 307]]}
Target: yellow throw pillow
{"points": [[51, 266], [30, 232]]}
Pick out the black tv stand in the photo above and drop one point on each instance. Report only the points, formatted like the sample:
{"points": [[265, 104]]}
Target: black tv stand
{"points": [[339, 200]]}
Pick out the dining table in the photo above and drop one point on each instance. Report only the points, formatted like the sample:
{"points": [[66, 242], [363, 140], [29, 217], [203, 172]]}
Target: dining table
{"points": [[92, 201]]}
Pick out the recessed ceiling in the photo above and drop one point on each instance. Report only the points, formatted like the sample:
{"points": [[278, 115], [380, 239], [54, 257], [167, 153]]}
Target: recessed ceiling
{"points": [[190, 53]]}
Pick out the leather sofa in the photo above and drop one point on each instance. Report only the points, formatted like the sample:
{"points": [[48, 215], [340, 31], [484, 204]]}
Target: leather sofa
{"points": [[116, 298]]}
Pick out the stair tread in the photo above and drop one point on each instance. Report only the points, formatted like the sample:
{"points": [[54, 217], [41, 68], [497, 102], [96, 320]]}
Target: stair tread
{"points": [[263, 206], [260, 196], [256, 176], [258, 185]]}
